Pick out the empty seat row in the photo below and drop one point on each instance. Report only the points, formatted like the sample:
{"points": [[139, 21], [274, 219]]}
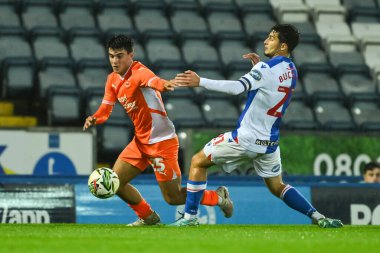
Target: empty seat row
{"points": [[65, 107]]}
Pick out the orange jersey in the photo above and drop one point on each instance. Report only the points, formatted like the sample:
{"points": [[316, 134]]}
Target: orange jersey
{"points": [[139, 93]]}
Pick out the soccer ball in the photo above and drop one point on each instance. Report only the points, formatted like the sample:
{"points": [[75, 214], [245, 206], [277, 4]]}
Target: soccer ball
{"points": [[103, 183]]}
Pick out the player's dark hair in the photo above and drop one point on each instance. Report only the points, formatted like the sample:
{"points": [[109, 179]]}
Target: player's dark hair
{"points": [[287, 34], [370, 166], [121, 42]]}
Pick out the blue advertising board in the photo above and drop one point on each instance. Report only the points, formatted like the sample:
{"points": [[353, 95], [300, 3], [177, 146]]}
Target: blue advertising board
{"points": [[254, 204]]}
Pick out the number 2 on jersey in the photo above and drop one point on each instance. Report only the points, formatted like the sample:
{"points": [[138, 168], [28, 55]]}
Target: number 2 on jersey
{"points": [[273, 111]]}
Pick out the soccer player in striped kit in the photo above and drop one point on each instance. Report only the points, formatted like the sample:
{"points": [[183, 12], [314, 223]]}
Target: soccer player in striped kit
{"points": [[255, 140]]}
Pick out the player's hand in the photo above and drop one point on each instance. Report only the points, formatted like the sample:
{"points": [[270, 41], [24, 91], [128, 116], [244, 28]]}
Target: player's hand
{"points": [[89, 122], [170, 85], [187, 79], [255, 58]]}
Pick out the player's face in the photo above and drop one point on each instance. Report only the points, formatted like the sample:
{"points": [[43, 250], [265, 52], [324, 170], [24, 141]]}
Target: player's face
{"points": [[120, 60], [272, 45], [370, 176]]}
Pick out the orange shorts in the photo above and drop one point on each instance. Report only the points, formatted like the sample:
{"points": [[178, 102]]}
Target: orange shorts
{"points": [[162, 156]]}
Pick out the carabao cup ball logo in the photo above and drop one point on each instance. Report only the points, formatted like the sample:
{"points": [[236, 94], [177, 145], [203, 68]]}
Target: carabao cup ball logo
{"points": [[206, 214]]}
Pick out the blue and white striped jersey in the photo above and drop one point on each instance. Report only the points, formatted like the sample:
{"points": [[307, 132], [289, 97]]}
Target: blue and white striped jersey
{"points": [[270, 85]]}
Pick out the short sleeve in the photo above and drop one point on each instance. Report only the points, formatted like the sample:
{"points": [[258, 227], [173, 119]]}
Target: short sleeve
{"points": [[146, 78]]}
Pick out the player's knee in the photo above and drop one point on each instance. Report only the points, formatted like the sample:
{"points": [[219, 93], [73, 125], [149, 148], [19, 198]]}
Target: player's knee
{"points": [[196, 160]]}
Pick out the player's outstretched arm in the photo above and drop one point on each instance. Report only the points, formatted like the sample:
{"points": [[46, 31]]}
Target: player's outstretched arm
{"points": [[255, 58], [90, 120], [187, 79]]}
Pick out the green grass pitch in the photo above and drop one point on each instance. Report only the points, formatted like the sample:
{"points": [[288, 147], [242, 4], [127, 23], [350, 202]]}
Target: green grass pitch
{"points": [[55, 238]]}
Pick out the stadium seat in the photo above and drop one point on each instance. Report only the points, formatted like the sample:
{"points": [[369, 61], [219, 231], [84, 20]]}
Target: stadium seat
{"points": [[333, 115], [276, 3], [231, 50], [292, 12], [205, 3], [356, 81], [339, 59], [169, 73], [363, 112], [18, 78], [112, 139], [182, 92], [372, 55], [76, 13], [354, 4], [184, 112], [320, 83], [237, 73], [223, 21], [162, 47], [314, 3], [363, 14], [309, 52], [151, 17], [340, 43], [326, 29], [114, 15], [85, 44], [211, 73], [92, 74], [220, 112], [249, 4], [39, 13], [13, 43], [299, 116], [258, 23], [8, 15], [49, 43], [197, 48], [180, 2], [55, 72], [363, 30], [64, 106], [181, 14]]}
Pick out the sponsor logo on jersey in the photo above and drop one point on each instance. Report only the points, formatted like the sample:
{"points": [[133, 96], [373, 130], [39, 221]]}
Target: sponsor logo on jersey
{"points": [[256, 74], [114, 86], [263, 66], [128, 106], [266, 142]]}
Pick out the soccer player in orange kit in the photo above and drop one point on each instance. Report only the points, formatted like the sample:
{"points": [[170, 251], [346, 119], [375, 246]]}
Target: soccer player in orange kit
{"points": [[155, 142]]}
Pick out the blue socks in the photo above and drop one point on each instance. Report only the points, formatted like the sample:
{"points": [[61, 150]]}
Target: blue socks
{"points": [[195, 191], [297, 201]]}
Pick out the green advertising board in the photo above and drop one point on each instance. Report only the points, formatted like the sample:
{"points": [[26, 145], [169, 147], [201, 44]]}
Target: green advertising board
{"points": [[312, 153]]}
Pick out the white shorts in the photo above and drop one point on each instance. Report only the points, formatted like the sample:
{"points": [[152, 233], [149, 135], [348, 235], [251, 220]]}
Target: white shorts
{"points": [[225, 152]]}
